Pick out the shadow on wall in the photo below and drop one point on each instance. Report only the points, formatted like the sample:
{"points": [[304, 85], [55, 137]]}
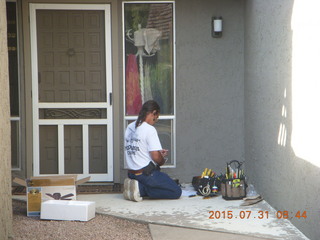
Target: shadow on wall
{"points": [[282, 135]]}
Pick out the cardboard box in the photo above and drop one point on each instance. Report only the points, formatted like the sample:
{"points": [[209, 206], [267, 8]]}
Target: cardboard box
{"points": [[43, 188], [67, 210]]}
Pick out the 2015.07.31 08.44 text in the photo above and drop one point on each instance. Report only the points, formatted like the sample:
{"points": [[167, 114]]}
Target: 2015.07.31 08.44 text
{"points": [[229, 214]]}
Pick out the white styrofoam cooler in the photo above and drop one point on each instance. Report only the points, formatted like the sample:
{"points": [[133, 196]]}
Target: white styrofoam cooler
{"points": [[68, 210]]}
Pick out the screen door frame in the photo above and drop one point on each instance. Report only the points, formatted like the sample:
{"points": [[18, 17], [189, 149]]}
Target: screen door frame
{"points": [[85, 123]]}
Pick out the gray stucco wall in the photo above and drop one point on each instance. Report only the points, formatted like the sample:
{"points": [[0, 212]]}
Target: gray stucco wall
{"points": [[209, 92], [287, 182]]}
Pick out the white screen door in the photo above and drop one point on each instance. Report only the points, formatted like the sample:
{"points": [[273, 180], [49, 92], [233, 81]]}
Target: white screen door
{"points": [[71, 90]]}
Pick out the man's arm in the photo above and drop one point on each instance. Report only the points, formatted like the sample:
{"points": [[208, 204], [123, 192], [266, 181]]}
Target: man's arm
{"points": [[158, 156]]}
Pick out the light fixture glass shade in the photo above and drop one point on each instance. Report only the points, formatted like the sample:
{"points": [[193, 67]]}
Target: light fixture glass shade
{"points": [[216, 27]]}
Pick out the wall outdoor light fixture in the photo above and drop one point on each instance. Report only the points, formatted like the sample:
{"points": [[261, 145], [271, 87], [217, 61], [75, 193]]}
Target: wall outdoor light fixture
{"points": [[216, 27]]}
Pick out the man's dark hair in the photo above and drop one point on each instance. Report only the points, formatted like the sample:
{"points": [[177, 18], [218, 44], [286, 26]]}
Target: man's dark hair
{"points": [[148, 107]]}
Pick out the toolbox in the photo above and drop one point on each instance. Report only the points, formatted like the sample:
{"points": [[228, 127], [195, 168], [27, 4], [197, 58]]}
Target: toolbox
{"points": [[233, 189], [233, 185]]}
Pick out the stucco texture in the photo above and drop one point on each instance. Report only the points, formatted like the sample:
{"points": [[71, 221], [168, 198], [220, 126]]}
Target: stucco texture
{"points": [[274, 108], [209, 83], [5, 169]]}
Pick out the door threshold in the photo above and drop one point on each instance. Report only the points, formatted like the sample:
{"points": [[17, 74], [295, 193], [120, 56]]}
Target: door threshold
{"points": [[99, 188]]}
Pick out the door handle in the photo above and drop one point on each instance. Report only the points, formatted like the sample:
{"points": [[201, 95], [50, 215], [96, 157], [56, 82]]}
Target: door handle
{"points": [[110, 98]]}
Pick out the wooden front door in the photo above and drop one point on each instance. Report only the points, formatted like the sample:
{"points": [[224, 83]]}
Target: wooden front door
{"points": [[72, 87]]}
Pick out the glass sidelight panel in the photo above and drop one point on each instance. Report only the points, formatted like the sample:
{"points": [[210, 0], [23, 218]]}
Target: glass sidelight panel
{"points": [[15, 145], [149, 55], [13, 53], [164, 128], [165, 131], [13, 58], [149, 62], [73, 156], [48, 149], [98, 158]]}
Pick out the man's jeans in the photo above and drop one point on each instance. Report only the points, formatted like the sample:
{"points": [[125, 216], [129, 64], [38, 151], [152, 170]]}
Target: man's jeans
{"points": [[157, 185]]}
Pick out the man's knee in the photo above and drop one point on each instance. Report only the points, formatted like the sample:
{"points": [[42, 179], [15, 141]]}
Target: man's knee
{"points": [[177, 193]]}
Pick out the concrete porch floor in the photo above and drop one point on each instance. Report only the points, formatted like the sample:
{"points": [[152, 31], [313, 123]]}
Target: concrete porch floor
{"points": [[188, 217]]}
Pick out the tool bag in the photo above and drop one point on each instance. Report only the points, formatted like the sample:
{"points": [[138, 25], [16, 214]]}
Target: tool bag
{"points": [[233, 185], [208, 184]]}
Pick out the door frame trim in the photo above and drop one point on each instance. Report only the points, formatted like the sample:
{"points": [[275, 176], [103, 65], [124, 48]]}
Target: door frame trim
{"points": [[36, 105]]}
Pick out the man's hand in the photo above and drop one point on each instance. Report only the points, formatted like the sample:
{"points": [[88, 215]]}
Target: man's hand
{"points": [[164, 152]]}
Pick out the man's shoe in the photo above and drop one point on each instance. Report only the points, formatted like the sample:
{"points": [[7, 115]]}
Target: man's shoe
{"points": [[134, 191], [126, 189]]}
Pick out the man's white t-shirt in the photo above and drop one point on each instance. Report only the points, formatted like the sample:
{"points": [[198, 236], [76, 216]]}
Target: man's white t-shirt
{"points": [[138, 143]]}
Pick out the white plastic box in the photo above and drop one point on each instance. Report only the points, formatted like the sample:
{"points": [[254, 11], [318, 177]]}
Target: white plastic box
{"points": [[68, 210]]}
